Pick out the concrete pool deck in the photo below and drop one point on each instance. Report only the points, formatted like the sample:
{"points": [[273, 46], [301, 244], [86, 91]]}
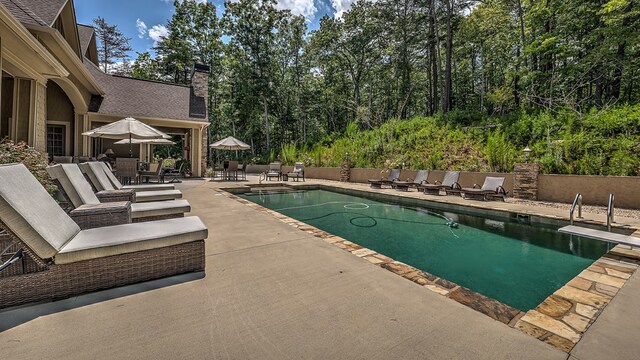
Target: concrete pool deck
{"points": [[273, 291]]}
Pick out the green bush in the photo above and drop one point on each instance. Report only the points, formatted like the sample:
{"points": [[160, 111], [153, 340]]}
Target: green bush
{"points": [[33, 159]]}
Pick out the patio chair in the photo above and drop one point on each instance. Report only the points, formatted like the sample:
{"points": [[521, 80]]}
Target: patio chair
{"points": [[419, 180], [89, 212], [242, 171], [275, 171], [109, 189], [394, 175], [297, 172], [232, 170], [127, 170], [491, 188], [449, 184], [62, 260], [157, 174]]}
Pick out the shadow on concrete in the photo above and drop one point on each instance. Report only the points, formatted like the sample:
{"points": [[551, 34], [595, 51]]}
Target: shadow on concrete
{"points": [[12, 317]]}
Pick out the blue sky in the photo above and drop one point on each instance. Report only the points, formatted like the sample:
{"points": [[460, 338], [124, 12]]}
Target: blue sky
{"points": [[143, 20]]}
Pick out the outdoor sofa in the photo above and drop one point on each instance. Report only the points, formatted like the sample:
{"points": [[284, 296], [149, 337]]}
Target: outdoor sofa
{"points": [[56, 259], [394, 175], [419, 180], [89, 212], [491, 188], [109, 189], [449, 184]]}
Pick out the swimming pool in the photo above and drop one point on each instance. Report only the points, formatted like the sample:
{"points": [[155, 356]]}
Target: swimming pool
{"points": [[513, 262]]}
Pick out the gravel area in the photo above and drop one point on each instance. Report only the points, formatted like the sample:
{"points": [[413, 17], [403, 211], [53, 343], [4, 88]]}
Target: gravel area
{"points": [[599, 210]]}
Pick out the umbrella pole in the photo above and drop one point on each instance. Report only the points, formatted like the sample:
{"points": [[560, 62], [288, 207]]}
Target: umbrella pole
{"points": [[130, 151]]}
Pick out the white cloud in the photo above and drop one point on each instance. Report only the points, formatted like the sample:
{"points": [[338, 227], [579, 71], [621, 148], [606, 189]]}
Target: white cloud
{"points": [[305, 8], [341, 6], [142, 28], [157, 32], [171, 1]]}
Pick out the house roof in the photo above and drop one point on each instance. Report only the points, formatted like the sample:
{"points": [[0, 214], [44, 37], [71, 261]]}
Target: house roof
{"points": [[85, 32], [35, 12], [135, 97]]}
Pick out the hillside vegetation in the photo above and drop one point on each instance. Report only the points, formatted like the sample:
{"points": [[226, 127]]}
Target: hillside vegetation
{"points": [[599, 143]]}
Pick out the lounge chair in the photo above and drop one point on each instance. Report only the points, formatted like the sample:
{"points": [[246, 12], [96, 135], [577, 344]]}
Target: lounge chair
{"points": [[492, 188], [107, 192], [275, 171], [448, 184], [89, 212], [394, 175], [61, 260], [118, 185], [297, 172], [419, 180]]}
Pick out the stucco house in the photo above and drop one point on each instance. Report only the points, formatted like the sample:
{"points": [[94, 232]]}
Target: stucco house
{"points": [[52, 88]]}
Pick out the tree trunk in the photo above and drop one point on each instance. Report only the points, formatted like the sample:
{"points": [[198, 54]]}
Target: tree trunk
{"points": [[266, 121], [446, 103], [435, 62], [599, 73]]}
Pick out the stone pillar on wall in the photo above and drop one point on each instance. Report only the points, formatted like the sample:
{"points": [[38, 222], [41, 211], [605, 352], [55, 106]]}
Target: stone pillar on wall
{"points": [[345, 169], [525, 183]]}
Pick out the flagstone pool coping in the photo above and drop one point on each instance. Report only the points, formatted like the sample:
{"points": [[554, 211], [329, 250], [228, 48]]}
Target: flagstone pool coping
{"points": [[560, 320]]}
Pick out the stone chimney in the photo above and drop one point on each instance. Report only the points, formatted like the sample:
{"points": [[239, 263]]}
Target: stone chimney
{"points": [[200, 81]]}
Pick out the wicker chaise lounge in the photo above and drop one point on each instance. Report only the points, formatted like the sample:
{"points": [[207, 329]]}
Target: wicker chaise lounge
{"points": [[60, 260], [449, 184], [106, 191], [394, 175], [492, 188], [420, 179], [89, 210]]}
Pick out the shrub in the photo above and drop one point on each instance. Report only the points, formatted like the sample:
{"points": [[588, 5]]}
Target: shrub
{"points": [[33, 159]]}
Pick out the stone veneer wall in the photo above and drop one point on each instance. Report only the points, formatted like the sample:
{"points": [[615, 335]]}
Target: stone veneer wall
{"points": [[345, 171], [525, 184]]}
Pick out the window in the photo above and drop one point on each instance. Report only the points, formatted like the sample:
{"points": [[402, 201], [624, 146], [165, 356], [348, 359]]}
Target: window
{"points": [[55, 140]]}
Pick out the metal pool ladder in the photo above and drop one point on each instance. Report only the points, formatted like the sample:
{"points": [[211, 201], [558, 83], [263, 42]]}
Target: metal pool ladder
{"points": [[610, 205], [576, 202]]}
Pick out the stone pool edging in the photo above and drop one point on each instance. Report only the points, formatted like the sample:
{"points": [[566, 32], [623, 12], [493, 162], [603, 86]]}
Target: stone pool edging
{"points": [[560, 320]]}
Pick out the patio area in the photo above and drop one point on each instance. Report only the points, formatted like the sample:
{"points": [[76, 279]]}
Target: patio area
{"points": [[273, 291]]}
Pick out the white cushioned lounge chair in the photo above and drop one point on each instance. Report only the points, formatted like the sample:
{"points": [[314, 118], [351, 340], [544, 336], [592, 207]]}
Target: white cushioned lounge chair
{"points": [[70, 261], [98, 176]]}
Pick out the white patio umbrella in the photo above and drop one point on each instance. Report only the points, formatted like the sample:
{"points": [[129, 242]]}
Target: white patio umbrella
{"points": [[230, 143], [128, 128]]}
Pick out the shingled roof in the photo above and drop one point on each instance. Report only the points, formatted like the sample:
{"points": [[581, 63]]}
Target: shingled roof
{"points": [[35, 12], [134, 97], [84, 34]]}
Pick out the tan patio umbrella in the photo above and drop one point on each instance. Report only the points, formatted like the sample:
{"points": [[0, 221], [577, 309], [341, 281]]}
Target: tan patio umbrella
{"points": [[145, 141], [128, 128], [230, 143]]}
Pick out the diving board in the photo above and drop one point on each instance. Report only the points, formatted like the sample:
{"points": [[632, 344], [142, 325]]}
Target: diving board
{"points": [[600, 235]]}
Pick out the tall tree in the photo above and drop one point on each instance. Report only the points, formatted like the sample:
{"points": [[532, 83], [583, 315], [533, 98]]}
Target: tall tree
{"points": [[112, 43]]}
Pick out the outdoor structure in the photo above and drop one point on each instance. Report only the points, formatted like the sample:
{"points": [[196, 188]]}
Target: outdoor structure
{"points": [[52, 89]]}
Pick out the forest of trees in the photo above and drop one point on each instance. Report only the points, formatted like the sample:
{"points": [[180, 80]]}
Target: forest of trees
{"points": [[477, 63]]}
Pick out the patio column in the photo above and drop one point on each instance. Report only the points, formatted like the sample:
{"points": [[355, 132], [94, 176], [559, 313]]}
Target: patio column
{"points": [[39, 116]]}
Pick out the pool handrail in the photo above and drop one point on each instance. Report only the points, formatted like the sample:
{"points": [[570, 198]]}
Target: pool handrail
{"points": [[610, 205], [576, 201]]}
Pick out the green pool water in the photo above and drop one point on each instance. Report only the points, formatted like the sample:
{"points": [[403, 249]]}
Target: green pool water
{"points": [[515, 263]]}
